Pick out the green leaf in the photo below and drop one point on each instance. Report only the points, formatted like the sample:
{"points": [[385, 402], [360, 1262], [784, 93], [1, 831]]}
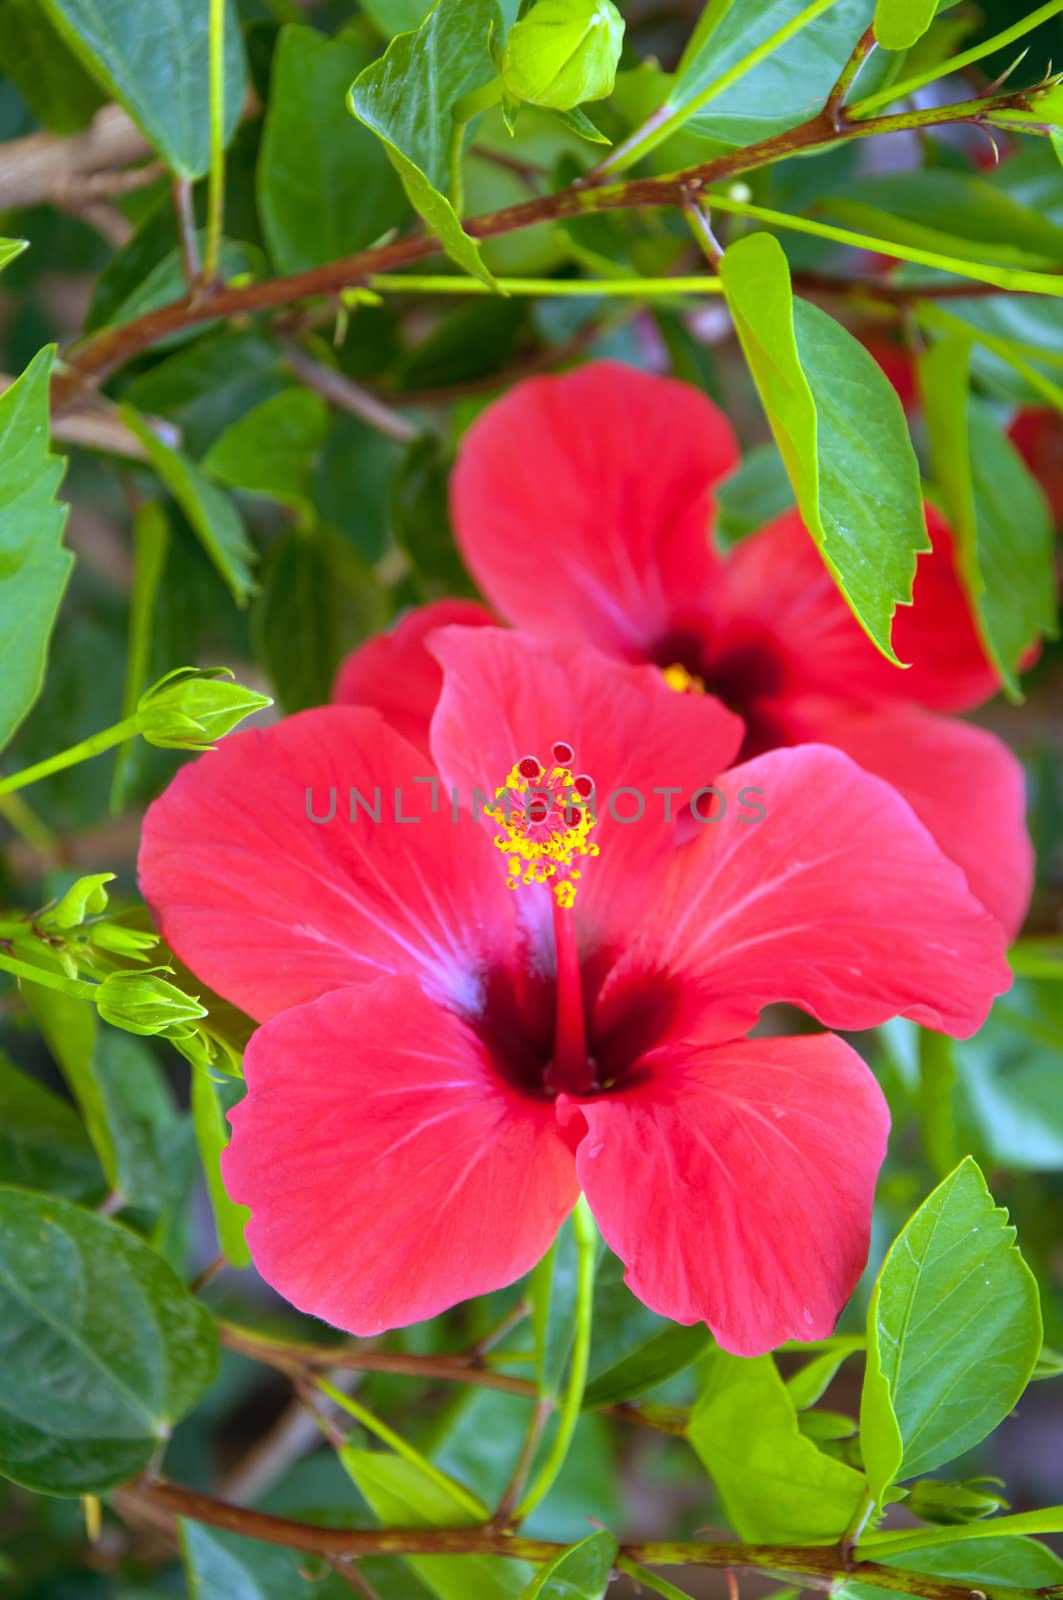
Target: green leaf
{"points": [[954, 1330], [11, 249], [34, 566], [671, 1350], [783, 90], [325, 185], [271, 450], [52, 81], [224, 1566], [69, 1029], [808, 1383], [954, 213], [1014, 1560], [155, 62], [402, 1495], [775, 1484], [1002, 523], [211, 513], [43, 1144], [1008, 1084], [581, 1573], [318, 601], [407, 97], [212, 1137], [561, 53], [104, 1349], [900, 23], [841, 431]]}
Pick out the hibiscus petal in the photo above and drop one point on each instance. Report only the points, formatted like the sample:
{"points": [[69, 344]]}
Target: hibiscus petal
{"points": [[962, 782], [272, 908], [631, 733], [775, 581], [582, 504], [390, 1170], [394, 673], [838, 901], [736, 1184]]}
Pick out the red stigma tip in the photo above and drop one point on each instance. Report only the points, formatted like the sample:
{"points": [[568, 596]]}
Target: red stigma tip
{"points": [[583, 785], [563, 754], [528, 767]]}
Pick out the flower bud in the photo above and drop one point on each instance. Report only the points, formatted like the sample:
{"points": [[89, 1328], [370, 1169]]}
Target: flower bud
{"points": [[192, 707], [128, 942], [934, 1500], [141, 1002], [563, 52], [85, 898]]}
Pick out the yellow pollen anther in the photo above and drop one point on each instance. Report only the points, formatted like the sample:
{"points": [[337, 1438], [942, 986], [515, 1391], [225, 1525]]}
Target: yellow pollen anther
{"points": [[683, 682], [546, 819]]}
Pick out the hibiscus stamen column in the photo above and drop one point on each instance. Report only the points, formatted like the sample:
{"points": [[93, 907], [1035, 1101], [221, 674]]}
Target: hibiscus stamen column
{"points": [[547, 817]]}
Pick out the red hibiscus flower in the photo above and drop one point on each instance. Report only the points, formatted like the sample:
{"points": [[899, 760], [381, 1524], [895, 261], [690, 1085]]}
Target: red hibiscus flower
{"points": [[583, 507], [443, 1063]]}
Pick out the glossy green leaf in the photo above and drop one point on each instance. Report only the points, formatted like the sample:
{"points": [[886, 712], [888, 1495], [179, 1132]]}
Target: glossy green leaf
{"points": [[900, 23], [775, 1484], [671, 1350], [809, 1382], [1014, 1561], [43, 1143], [270, 451], [783, 90], [954, 1330], [34, 565], [841, 431], [581, 1573], [155, 61], [561, 53], [407, 98], [211, 512], [997, 509], [212, 1136], [402, 1495], [224, 1566], [325, 185], [103, 1348]]}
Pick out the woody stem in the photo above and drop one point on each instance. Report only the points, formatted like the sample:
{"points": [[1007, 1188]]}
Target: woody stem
{"points": [[570, 1070]]}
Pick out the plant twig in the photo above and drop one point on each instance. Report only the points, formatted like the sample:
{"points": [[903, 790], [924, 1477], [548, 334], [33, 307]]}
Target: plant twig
{"points": [[835, 106], [104, 352], [339, 391], [186, 228], [162, 1503]]}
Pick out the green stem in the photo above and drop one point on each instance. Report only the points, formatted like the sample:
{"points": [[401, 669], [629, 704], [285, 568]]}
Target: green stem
{"points": [[647, 288], [967, 58], [402, 1447], [94, 745], [1048, 1520], [77, 988], [216, 193], [1015, 278], [665, 120], [586, 1235], [469, 106]]}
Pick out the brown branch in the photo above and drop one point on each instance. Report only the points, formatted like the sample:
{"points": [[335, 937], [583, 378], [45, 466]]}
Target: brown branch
{"points": [[160, 1503], [44, 167], [109, 349], [835, 106], [300, 1361]]}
